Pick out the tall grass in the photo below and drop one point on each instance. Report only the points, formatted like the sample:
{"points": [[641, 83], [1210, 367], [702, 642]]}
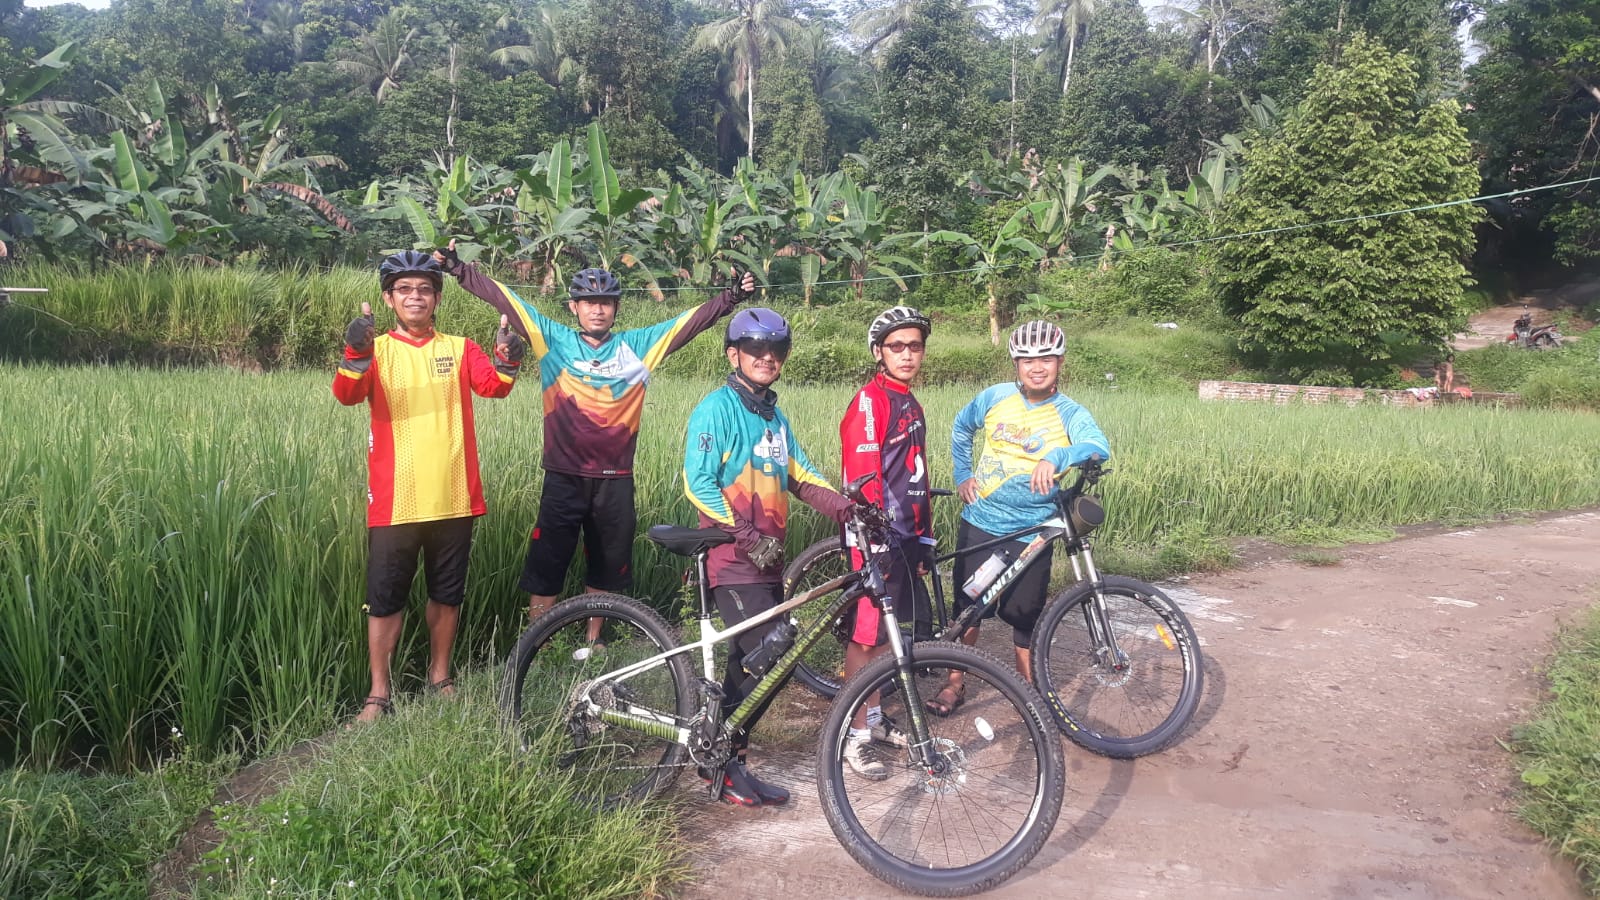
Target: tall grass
{"points": [[186, 549]]}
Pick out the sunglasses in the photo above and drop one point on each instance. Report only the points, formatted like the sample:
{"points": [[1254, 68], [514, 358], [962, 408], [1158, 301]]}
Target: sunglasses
{"points": [[903, 346], [758, 348]]}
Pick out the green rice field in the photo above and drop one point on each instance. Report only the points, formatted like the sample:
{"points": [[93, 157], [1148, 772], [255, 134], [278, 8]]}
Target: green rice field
{"points": [[184, 550]]}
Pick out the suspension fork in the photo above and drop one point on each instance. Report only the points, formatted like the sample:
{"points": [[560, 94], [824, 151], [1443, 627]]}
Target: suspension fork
{"points": [[1095, 613], [922, 752]]}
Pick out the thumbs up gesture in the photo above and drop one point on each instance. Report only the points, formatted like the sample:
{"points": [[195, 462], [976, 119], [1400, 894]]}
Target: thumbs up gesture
{"points": [[358, 335], [509, 348]]}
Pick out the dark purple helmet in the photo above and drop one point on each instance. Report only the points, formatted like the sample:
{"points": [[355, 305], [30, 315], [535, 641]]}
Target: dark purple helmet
{"points": [[590, 283], [410, 262], [757, 324]]}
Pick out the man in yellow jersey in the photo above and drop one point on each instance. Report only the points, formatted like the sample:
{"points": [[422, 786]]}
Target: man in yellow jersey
{"points": [[423, 489]]}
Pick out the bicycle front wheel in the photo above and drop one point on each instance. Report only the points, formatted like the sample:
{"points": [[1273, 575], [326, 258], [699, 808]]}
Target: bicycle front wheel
{"points": [[1125, 697], [985, 805], [615, 739], [822, 669]]}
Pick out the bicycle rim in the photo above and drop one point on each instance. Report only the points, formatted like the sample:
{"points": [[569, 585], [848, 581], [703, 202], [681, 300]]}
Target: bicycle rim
{"points": [[1123, 708], [553, 665], [982, 815]]}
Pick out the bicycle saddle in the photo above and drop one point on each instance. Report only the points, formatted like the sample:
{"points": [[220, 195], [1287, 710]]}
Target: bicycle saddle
{"points": [[688, 541]]}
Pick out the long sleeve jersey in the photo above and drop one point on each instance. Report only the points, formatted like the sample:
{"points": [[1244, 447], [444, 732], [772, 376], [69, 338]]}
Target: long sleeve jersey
{"points": [[1014, 435], [737, 471], [593, 396], [884, 433], [422, 454]]}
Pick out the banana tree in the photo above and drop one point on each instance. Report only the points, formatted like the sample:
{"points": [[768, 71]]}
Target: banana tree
{"points": [[1072, 197], [810, 228], [546, 201], [255, 162], [1008, 249], [861, 242], [611, 207]]}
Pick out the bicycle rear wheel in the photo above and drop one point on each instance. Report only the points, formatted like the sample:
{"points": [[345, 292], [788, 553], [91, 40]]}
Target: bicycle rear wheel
{"points": [[554, 663], [981, 812], [1129, 706], [822, 669]]}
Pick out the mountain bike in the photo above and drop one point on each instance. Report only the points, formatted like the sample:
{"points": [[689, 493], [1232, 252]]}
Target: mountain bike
{"points": [[967, 804], [1116, 659]]}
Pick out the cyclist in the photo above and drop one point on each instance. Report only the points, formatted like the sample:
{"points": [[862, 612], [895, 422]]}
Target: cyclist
{"points": [[422, 500], [883, 433], [594, 381], [740, 459], [1027, 433]]}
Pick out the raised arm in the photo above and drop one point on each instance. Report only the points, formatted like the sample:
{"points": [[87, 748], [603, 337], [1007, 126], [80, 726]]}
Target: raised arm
{"points": [[352, 383], [528, 321], [655, 343]]}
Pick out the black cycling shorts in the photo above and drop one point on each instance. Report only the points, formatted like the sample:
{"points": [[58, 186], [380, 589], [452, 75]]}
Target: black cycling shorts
{"points": [[1020, 604], [392, 552], [602, 508], [864, 622]]}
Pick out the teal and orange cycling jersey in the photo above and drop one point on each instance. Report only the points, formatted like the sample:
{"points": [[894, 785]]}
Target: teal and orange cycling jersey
{"points": [[1012, 435], [738, 469], [593, 396]]}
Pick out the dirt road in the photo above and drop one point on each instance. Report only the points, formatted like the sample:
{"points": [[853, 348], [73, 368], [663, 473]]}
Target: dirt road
{"points": [[1349, 743]]}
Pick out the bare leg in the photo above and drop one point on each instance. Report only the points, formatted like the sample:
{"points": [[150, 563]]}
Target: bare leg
{"points": [[539, 604], [596, 621], [442, 622], [383, 635], [856, 657], [1024, 658]]}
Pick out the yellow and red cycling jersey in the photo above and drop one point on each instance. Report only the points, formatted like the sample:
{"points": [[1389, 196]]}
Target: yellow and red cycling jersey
{"points": [[422, 455]]}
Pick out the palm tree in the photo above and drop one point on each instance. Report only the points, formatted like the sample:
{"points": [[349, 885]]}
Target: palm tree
{"points": [[1065, 18], [751, 27], [882, 24], [379, 56], [544, 51]]}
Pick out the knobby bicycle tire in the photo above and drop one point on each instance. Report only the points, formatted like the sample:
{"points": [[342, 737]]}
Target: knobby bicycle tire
{"points": [[1124, 711], [975, 823], [609, 764], [821, 671]]}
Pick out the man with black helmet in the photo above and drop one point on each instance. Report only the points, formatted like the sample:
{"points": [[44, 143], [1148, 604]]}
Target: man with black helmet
{"points": [[740, 464], [594, 382], [422, 499], [883, 433]]}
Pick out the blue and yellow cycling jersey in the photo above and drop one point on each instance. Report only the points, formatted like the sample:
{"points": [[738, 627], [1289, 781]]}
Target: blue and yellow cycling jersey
{"points": [[593, 396], [1012, 436], [738, 469]]}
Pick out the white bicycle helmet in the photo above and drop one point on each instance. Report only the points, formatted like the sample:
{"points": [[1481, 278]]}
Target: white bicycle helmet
{"points": [[893, 319], [1037, 338]]}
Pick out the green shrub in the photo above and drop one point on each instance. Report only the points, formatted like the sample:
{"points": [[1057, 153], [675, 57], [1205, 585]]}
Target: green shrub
{"points": [[1563, 388], [439, 800], [73, 835]]}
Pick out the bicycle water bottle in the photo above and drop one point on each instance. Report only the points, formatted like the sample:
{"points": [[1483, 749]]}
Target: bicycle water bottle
{"points": [[773, 647], [986, 574]]}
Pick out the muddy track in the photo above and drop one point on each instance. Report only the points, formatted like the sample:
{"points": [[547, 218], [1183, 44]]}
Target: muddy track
{"points": [[1350, 743]]}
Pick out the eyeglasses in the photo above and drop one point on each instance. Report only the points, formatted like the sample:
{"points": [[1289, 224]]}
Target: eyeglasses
{"points": [[407, 290], [758, 348], [903, 346]]}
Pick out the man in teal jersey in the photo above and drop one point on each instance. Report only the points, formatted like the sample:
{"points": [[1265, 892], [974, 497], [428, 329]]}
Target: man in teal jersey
{"points": [[1027, 433], [740, 463]]}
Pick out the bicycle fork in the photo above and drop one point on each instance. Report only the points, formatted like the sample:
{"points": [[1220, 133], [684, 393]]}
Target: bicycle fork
{"points": [[1096, 617], [922, 750]]}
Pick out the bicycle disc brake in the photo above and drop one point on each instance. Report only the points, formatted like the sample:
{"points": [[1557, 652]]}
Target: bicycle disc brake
{"points": [[1106, 670], [949, 774]]}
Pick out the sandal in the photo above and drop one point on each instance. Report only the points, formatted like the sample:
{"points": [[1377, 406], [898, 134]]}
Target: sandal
{"points": [[382, 703], [941, 707], [442, 685]]}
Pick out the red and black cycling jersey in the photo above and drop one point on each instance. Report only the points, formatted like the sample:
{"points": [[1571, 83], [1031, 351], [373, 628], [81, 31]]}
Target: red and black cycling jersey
{"points": [[883, 432]]}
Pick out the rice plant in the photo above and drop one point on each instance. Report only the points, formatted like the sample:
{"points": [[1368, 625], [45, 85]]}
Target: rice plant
{"points": [[186, 549]]}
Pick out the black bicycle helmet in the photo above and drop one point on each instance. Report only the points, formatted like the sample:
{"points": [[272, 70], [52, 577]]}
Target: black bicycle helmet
{"points": [[895, 318], [409, 262], [595, 283]]}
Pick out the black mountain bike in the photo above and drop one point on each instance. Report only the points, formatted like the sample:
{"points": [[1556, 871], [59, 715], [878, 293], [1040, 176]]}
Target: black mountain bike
{"points": [[967, 804], [1116, 659]]}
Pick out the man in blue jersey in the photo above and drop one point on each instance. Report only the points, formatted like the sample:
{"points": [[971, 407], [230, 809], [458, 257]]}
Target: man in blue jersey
{"points": [[740, 463], [1026, 433]]}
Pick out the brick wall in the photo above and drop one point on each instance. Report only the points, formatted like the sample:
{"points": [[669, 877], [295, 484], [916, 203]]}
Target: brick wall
{"points": [[1303, 393]]}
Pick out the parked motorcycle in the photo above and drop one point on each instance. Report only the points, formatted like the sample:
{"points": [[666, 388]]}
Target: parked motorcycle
{"points": [[1524, 335]]}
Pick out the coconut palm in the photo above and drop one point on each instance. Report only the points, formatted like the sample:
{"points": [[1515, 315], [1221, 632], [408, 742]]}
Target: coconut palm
{"points": [[752, 27], [379, 56], [1061, 20]]}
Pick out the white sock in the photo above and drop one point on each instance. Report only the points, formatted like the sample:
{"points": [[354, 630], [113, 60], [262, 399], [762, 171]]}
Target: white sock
{"points": [[861, 734], [874, 716]]}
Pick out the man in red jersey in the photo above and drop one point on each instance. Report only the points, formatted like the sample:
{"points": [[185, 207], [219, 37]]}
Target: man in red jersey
{"points": [[883, 433], [423, 489]]}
